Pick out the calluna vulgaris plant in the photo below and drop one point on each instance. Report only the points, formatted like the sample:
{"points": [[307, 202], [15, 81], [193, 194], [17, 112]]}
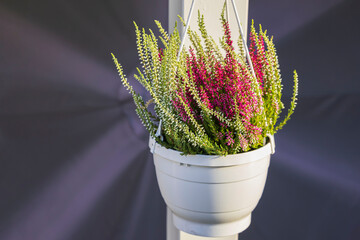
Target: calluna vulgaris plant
{"points": [[208, 101]]}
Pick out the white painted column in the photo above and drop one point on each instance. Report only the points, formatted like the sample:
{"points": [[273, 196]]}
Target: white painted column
{"points": [[172, 233], [211, 10]]}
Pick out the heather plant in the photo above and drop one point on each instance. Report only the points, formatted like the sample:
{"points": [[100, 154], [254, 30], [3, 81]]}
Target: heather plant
{"points": [[208, 99]]}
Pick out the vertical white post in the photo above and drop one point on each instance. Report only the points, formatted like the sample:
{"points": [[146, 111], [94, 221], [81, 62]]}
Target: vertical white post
{"points": [[211, 10], [172, 233]]}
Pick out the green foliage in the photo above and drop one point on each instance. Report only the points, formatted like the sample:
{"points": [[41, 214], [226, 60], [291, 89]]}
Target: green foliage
{"points": [[190, 123]]}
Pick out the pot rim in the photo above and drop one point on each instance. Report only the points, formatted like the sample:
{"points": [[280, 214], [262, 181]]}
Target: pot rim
{"points": [[213, 160]]}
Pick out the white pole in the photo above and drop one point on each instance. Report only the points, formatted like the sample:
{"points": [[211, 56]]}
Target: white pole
{"points": [[211, 10], [172, 233]]}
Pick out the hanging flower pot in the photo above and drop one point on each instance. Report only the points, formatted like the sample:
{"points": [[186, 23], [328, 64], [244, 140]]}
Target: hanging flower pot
{"points": [[211, 196], [212, 116]]}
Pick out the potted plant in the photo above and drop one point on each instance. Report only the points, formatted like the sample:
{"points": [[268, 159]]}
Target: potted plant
{"points": [[211, 119]]}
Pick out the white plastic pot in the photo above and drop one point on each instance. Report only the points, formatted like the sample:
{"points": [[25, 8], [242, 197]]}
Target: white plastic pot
{"points": [[211, 196]]}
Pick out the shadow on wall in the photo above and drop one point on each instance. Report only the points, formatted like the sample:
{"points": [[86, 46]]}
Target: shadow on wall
{"points": [[324, 53]]}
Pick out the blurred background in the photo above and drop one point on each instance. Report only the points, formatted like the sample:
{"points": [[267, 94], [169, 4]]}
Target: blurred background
{"points": [[74, 161]]}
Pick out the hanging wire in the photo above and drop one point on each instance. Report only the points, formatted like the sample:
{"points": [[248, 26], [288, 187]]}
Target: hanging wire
{"points": [[186, 29], [227, 11], [158, 132], [243, 39]]}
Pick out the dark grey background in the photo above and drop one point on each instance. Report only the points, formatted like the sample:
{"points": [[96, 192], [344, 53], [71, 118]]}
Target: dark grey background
{"points": [[74, 162]]}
